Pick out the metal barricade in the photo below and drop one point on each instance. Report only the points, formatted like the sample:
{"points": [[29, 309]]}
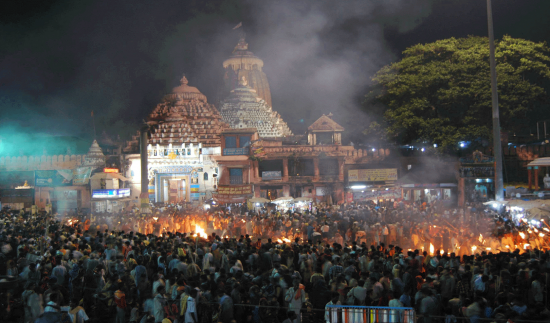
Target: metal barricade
{"points": [[368, 314]]}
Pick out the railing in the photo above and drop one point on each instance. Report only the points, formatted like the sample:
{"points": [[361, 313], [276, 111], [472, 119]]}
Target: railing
{"points": [[235, 180], [369, 314]]}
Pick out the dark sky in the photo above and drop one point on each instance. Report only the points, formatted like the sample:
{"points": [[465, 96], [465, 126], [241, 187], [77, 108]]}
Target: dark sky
{"points": [[62, 59]]}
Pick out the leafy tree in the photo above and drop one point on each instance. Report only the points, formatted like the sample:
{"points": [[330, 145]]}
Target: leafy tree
{"points": [[441, 92]]}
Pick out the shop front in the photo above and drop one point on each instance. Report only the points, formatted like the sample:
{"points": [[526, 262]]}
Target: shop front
{"points": [[429, 192], [110, 200]]}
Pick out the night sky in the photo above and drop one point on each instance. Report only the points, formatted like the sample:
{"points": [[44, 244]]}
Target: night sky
{"points": [[62, 59]]}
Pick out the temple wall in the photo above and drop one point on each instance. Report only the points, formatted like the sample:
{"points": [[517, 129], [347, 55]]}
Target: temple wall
{"points": [[31, 163]]}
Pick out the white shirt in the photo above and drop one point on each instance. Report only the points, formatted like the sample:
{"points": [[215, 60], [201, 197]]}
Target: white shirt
{"points": [[191, 308]]}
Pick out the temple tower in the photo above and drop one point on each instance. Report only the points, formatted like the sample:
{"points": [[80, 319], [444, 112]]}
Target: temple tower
{"points": [[244, 63]]}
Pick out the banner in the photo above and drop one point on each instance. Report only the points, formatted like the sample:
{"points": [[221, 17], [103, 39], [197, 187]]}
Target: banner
{"points": [[235, 190], [194, 196], [271, 175], [81, 175], [393, 193], [53, 178], [232, 194], [372, 175]]}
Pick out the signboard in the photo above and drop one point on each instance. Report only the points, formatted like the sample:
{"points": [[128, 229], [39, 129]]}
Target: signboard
{"points": [[110, 170], [119, 193], [235, 190], [235, 151], [271, 175], [372, 175]]}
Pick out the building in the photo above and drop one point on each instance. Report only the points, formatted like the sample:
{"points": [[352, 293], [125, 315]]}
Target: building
{"points": [[59, 182], [184, 135], [311, 166], [243, 108], [241, 63]]}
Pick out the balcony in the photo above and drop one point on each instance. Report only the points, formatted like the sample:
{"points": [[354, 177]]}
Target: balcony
{"points": [[234, 180]]}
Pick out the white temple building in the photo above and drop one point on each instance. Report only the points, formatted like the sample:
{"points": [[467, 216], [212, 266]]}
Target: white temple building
{"points": [[243, 108]]}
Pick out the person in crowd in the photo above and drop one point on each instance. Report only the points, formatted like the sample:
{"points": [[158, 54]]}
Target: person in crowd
{"points": [[287, 266]]}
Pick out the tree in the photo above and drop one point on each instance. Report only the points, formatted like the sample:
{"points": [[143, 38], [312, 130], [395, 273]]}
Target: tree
{"points": [[441, 92]]}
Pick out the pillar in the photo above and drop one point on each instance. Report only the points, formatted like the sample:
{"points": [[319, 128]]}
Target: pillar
{"points": [[315, 169], [340, 169], [529, 177], [285, 169], [144, 170], [536, 177]]}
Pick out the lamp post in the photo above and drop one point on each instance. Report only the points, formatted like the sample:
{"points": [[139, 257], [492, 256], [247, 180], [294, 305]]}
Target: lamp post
{"points": [[497, 148]]}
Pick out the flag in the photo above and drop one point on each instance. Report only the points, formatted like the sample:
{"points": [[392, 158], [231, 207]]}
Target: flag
{"points": [[238, 26], [92, 113]]}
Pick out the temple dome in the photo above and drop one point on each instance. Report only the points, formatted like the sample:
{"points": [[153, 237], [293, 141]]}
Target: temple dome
{"points": [[186, 92]]}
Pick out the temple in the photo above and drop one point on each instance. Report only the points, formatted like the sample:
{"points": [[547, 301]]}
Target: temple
{"points": [[241, 63], [245, 109], [184, 133]]}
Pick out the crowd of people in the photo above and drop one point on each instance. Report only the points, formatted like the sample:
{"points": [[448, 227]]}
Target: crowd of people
{"points": [[264, 265]]}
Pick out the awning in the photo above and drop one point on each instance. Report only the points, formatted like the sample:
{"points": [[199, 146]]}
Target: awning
{"points": [[545, 161], [110, 176]]}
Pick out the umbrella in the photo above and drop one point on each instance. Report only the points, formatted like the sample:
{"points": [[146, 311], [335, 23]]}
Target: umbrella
{"points": [[303, 199], [258, 200], [284, 199]]}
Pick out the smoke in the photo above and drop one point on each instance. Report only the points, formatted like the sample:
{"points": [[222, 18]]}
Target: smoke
{"points": [[62, 61], [320, 55]]}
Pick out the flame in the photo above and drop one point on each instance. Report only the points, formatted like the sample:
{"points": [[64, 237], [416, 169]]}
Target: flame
{"points": [[279, 241], [431, 249], [474, 248], [541, 234], [286, 240], [200, 232], [507, 247], [442, 252], [526, 245], [546, 229], [488, 249], [155, 218], [537, 231], [226, 236], [522, 235], [480, 238], [529, 230]]}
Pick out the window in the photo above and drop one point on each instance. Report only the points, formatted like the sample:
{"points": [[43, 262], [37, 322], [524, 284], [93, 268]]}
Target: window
{"points": [[235, 176], [205, 176], [300, 167], [328, 166], [230, 142], [244, 141], [270, 165], [324, 138]]}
